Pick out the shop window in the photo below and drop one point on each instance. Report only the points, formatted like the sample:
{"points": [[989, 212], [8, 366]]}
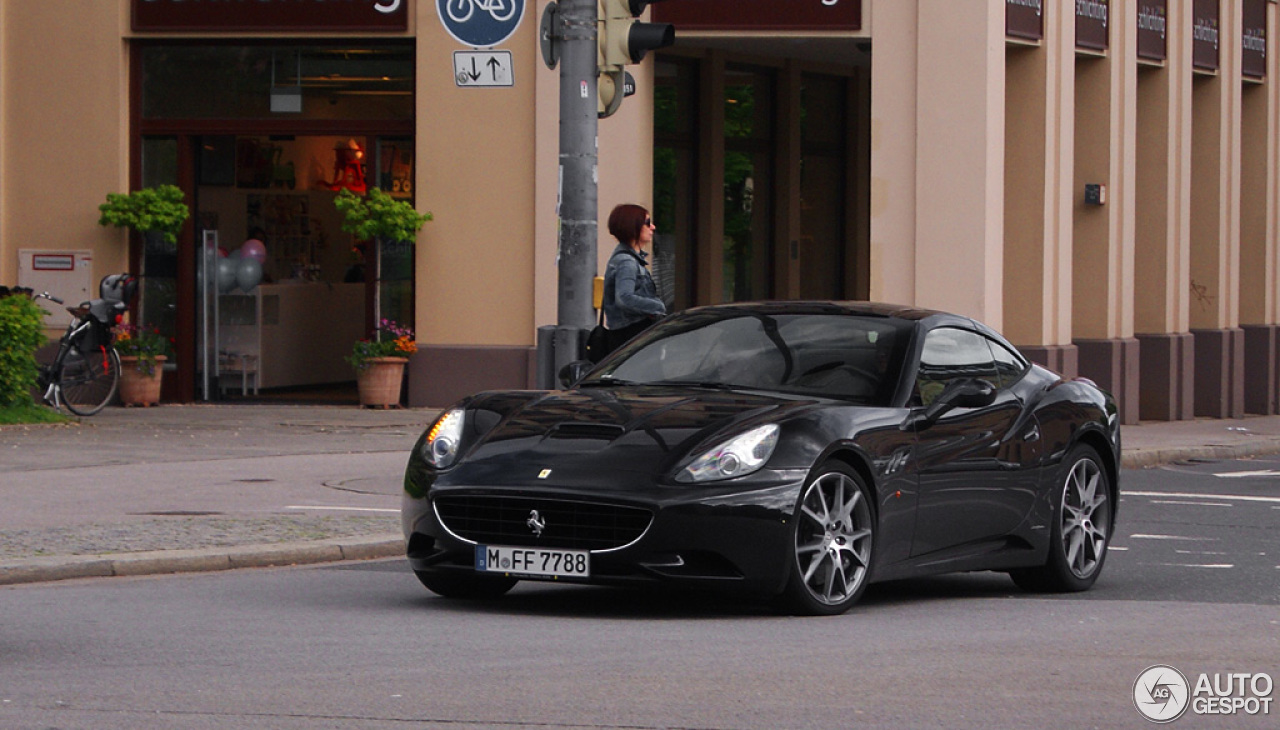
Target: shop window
{"points": [[193, 81]]}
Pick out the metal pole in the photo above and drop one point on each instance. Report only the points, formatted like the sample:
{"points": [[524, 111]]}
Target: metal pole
{"points": [[578, 160]]}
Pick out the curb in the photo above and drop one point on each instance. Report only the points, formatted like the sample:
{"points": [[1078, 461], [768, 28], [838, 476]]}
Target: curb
{"points": [[1147, 458], [37, 570]]}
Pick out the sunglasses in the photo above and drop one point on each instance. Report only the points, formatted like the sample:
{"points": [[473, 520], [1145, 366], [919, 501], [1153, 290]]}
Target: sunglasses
{"points": [[648, 222]]}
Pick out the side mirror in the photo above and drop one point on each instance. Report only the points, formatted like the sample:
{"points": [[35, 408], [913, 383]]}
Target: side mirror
{"points": [[573, 372], [962, 393]]}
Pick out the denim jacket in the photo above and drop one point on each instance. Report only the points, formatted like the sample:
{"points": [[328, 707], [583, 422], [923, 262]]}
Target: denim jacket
{"points": [[629, 292]]}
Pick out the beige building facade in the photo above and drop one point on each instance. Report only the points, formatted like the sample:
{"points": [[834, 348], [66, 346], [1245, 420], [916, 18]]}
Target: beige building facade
{"points": [[1096, 178]]}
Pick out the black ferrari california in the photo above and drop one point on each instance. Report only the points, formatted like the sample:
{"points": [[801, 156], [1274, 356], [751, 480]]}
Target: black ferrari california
{"points": [[797, 450]]}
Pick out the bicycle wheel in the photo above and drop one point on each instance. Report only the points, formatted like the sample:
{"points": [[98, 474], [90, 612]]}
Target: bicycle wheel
{"points": [[88, 381]]}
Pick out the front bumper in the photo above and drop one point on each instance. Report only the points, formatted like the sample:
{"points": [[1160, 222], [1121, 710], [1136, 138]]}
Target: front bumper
{"points": [[737, 540]]}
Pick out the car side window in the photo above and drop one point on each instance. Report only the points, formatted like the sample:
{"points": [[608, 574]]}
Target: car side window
{"points": [[1010, 366], [951, 354]]}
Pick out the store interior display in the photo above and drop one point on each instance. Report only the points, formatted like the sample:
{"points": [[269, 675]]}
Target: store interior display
{"points": [[290, 282]]}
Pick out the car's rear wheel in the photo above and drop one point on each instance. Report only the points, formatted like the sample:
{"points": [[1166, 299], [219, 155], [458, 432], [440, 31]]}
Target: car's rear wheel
{"points": [[1081, 528], [463, 585], [834, 537]]}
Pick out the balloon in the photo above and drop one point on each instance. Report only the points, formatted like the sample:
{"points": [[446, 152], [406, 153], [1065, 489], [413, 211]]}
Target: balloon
{"points": [[226, 275], [222, 252], [254, 249], [234, 254], [248, 274]]}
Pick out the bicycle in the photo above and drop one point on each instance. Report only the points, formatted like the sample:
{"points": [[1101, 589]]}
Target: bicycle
{"points": [[85, 373], [498, 9]]}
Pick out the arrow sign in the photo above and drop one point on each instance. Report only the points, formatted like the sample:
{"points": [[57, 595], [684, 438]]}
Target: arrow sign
{"points": [[482, 68]]}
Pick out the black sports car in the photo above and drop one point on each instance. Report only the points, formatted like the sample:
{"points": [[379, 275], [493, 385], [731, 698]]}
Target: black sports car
{"points": [[791, 449]]}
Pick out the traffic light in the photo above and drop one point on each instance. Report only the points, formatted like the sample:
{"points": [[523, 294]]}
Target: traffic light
{"points": [[624, 41]]}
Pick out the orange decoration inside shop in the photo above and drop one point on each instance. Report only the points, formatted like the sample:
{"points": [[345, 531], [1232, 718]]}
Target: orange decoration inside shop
{"points": [[348, 168]]}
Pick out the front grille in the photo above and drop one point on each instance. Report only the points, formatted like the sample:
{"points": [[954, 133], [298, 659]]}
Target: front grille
{"points": [[569, 525]]}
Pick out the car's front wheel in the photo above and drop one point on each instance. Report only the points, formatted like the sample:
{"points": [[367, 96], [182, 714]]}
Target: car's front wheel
{"points": [[464, 585], [1081, 528], [834, 536]]}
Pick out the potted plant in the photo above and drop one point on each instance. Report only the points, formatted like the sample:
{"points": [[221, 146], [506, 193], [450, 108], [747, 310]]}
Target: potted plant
{"points": [[379, 216], [379, 362], [143, 352], [158, 210], [380, 359]]}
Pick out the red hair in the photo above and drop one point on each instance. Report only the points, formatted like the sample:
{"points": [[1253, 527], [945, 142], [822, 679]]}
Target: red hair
{"points": [[625, 222]]}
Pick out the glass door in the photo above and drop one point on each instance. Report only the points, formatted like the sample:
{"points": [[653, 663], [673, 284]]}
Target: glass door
{"points": [[394, 279], [748, 184], [158, 267]]}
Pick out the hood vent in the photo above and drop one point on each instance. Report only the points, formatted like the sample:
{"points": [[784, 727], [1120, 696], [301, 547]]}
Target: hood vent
{"points": [[579, 430]]}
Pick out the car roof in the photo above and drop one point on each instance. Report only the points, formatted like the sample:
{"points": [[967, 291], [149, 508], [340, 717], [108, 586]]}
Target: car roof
{"points": [[875, 309], [918, 317]]}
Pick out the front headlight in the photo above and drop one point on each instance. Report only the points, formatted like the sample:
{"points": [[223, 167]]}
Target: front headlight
{"points": [[736, 457], [440, 448]]}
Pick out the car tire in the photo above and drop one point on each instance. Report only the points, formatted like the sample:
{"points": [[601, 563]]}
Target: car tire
{"points": [[832, 541], [1082, 523], [462, 585]]}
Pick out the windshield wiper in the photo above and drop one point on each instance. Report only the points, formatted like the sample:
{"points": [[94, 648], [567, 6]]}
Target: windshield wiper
{"points": [[607, 382], [709, 384]]}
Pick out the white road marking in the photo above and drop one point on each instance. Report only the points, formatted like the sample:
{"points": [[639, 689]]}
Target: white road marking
{"points": [[1113, 547], [1193, 504], [1186, 495], [1239, 474], [1173, 537], [1199, 552], [342, 509], [1190, 565]]}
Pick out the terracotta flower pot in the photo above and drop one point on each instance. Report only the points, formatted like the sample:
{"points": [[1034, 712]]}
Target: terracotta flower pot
{"points": [[379, 381], [137, 388]]}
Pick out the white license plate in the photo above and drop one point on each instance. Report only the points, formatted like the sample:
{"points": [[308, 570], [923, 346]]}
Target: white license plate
{"points": [[533, 561]]}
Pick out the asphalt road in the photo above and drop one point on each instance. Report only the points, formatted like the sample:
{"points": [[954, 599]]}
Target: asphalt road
{"points": [[1204, 531], [1192, 584]]}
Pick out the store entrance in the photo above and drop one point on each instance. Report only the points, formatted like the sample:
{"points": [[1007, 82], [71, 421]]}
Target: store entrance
{"points": [[762, 171], [263, 295], [288, 291]]}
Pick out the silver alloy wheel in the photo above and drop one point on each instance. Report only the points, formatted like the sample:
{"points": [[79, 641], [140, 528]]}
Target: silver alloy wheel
{"points": [[1086, 517], [833, 538]]}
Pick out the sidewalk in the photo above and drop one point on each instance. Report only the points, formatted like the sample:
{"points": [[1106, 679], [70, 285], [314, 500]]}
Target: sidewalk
{"points": [[209, 487], [182, 488]]}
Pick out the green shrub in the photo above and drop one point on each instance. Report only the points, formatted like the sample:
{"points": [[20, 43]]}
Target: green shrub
{"points": [[21, 334], [378, 215], [160, 209]]}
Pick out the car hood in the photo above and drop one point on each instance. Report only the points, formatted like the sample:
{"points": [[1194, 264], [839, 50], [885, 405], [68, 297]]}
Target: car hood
{"points": [[627, 435]]}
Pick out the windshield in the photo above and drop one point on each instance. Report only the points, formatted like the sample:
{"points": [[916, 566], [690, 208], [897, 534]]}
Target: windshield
{"points": [[831, 355]]}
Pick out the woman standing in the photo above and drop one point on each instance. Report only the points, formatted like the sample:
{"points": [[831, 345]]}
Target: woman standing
{"points": [[631, 300]]}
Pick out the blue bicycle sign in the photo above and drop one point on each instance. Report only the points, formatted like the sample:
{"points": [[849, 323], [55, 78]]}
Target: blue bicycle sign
{"points": [[480, 23]]}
